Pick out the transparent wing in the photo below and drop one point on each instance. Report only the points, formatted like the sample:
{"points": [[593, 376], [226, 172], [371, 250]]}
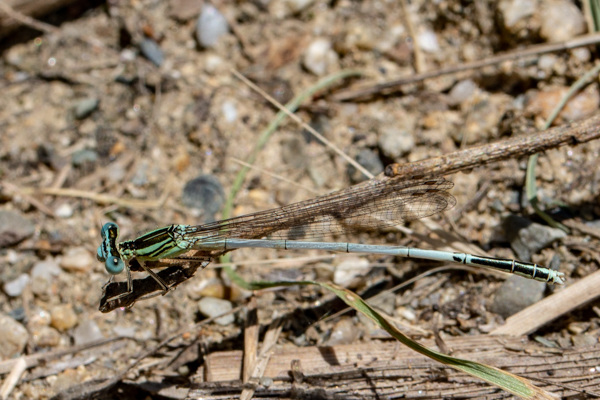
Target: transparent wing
{"points": [[370, 205]]}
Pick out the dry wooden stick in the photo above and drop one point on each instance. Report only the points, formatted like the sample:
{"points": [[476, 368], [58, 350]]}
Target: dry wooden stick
{"points": [[390, 87], [251, 337], [36, 359], [386, 369], [569, 134]]}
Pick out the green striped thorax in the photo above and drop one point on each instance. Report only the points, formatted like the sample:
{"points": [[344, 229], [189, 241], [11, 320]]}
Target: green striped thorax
{"points": [[160, 243]]}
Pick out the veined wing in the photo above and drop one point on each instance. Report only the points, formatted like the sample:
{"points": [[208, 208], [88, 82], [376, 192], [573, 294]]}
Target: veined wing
{"points": [[373, 204]]}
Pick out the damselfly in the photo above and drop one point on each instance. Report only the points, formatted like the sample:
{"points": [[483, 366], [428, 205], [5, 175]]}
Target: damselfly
{"points": [[372, 204]]}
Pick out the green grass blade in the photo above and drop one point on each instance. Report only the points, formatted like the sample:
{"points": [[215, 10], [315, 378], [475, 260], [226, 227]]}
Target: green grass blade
{"points": [[511, 383]]}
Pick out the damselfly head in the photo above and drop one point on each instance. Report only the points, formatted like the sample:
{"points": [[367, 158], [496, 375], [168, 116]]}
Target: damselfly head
{"points": [[108, 253]]}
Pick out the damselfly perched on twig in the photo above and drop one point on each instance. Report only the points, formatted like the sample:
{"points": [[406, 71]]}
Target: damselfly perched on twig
{"points": [[370, 205]]}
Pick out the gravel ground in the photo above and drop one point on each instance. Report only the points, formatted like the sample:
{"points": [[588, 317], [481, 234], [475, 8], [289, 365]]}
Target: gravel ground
{"points": [[131, 113]]}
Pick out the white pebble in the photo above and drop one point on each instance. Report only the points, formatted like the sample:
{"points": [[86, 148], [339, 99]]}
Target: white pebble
{"points": [[406, 313], [561, 20], [213, 64], [546, 62], [513, 11], [428, 41], [15, 287], [64, 211], [211, 26], [229, 111], [462, 91], [12, 256], [350, 269], [582, 54], [319, 58]]}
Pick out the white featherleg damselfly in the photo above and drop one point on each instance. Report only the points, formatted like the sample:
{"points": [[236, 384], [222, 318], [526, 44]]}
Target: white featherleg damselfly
{"points": [[373, 204]]}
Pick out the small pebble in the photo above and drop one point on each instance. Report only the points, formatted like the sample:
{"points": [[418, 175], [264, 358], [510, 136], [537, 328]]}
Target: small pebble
{"points": [[319, 58], [286, 8], [561, 20], [212, 307], [214, 287], [46, 336], [546, 62], [349, 272], [14, 337], [582, 54], [407, 313], [515, 12], [47, 269], [462, 91], [132, 127], [18, 314], [229, 110], [584, 340], [43, 276], [77, 259], [428, 41], [343, 332], [14, 228], [395, 142], [527, 238], [84, 108], [38, 318], [578, 328], [87, 332], [211, 26], [84, 157], [515, 294], [64, 210], [583, 104], [184, 10], [204, 193], [213, 64], [152, 51], [63, 317], [266, 382], [482, 120], [15, 287], [12, 256]]}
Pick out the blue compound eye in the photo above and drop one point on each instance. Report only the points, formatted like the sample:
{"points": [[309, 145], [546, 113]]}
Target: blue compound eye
{"points": [[114, 265], [100, 256], [110, 229]]}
